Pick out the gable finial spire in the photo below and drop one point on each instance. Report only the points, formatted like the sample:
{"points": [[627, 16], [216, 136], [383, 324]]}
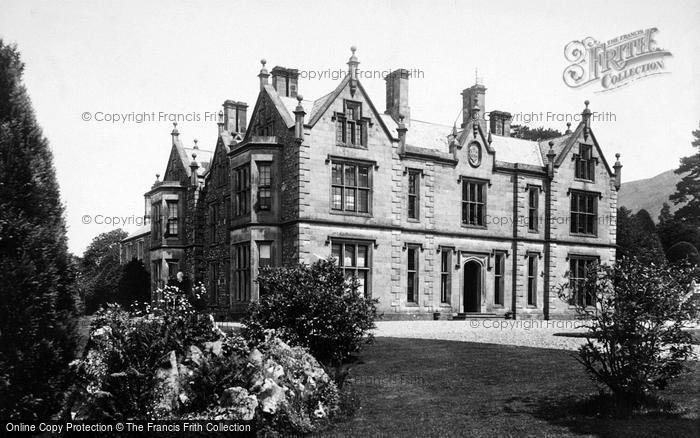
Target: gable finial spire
{"points": [[352, 64], [175, 132], [195, 144], [263, 75]]}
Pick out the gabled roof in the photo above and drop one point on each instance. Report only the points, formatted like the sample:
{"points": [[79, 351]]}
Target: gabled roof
{"points": [[203, 157], [137, 232]]}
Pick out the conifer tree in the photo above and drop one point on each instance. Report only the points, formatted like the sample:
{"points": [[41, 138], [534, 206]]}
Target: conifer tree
{"points": [[37, 295]]}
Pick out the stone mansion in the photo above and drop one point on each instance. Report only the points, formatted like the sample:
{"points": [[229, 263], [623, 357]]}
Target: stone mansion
{"points": [[431, 218]]}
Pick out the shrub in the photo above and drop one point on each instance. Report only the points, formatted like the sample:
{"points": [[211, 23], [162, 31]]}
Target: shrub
{"points": [[314, 307], [635, 343], [173, 363], [134, 284], [682, 251]]}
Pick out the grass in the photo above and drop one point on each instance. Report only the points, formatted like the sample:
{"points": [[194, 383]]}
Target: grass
{"points": [[413, 387]]}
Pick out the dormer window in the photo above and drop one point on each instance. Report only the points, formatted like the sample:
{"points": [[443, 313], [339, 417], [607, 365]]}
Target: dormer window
{"points": [[350, 126], [585, 163]]}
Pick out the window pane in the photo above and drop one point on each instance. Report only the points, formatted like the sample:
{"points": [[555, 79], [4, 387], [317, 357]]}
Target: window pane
{"points": [[350, 199], [363, 201], [362, 278], [411, 259], [350, 175], [362, 256], [363, 172], [349, 255], [336, 252], [337, 198], [337, 174], [265, 250]]}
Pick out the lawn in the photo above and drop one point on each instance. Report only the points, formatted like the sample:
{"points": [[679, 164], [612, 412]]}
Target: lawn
{"points": [[416, 387]]}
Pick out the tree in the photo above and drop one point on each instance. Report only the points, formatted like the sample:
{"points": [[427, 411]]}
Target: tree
{"points": [[134, 284], [635, 342], [636, 236], [676, 230], [37, 276], [688, 188], [665, 215], [101, 271], [537, 134]]}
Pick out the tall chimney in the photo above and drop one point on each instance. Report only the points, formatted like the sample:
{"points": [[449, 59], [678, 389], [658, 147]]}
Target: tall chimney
{"points": [[235, 116], [285, 81], [397, 95], [499, 123], [478, 92]]}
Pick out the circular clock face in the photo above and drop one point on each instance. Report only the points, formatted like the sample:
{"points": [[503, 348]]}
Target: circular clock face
{"points": [[474, 154]]}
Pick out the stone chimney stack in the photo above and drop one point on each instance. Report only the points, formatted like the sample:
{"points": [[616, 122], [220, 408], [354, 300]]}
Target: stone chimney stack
{"points": [[499, 122], [397, 95], [235, 116], [469, 95], [285, 81]]}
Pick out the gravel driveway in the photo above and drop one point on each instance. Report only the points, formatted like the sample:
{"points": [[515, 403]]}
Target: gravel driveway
{"points": [[526, 333]]}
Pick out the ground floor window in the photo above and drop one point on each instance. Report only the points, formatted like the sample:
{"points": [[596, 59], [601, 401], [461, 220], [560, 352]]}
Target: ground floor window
{"points": [[578, 267], [242, 272], [445, 275], [532, 279], [213, 275], [354, 258], [500, 269], [412, 274]]}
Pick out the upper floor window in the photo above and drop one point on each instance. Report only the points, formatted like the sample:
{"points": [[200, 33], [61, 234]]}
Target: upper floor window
{"points": [[157, 221], [351, 128], [578, 270], [584, 212], [354, 259], [413, 194], [585, 163], [532, 208], [173, 219], [213, 220], [264, 186], [351, 187], [474, 203], [499, 283], [241, 190]]}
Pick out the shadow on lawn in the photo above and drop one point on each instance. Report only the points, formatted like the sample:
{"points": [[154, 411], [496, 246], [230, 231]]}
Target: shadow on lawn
{"points": [[582, 415]]}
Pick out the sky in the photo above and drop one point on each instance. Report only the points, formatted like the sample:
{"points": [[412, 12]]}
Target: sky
{"points": [[186, 58]]}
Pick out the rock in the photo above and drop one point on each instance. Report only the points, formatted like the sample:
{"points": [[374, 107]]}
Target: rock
{"points": [[271, 396], [194, 355], [256, 357], [167, 388], [240, 403], [213, 347]]}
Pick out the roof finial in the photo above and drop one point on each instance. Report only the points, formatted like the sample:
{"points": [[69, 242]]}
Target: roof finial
{"points": [[195, 144], [175, 131], [157, 177], [568, 128]]}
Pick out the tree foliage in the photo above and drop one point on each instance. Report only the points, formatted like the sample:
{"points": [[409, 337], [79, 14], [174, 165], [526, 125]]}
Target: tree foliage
{"points": [[314, 307], [635, 341], [536, 134], [688, 188], [134, 284], [37, 276], [100, 270], [683, 251], [636, 236]]}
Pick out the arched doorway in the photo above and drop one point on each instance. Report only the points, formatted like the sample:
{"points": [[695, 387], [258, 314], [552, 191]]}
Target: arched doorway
{"points": [[472, 286]]}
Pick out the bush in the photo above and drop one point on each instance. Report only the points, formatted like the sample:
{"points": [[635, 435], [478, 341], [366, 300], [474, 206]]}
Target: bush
{"points": [[134, 284], [683, 251], [635, 343], [171, 362], [313, 307]]}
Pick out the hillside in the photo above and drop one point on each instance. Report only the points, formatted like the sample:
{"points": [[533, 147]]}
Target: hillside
{"points": [[649, 194]]}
